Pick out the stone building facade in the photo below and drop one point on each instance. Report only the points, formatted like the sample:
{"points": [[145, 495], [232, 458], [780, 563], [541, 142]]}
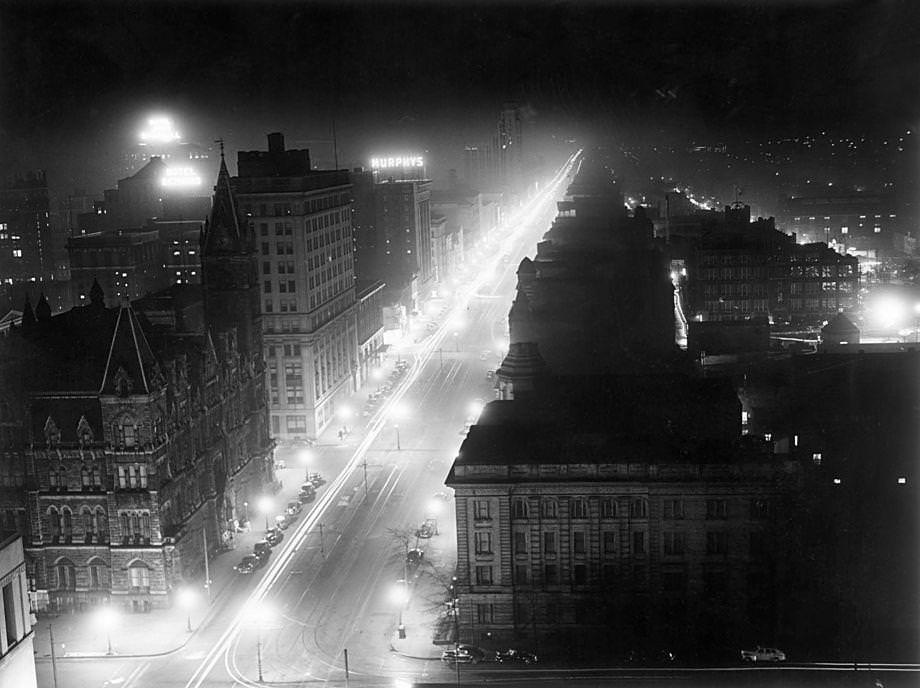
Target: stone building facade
{"points": [[145, 428]]}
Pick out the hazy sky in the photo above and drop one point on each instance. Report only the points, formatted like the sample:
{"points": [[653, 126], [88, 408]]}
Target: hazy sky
{"points": [[76, 77]]}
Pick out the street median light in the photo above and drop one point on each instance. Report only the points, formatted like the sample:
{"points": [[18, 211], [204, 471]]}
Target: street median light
{"points": [[262, 616], [107, 617], [187, 599], [400, 597]]}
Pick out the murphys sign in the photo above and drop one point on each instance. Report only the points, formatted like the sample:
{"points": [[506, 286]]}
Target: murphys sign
{"points": [[397, 162]]}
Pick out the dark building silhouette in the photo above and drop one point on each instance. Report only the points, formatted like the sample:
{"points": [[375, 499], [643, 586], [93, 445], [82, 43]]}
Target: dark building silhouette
{"points": [[29, 250]]}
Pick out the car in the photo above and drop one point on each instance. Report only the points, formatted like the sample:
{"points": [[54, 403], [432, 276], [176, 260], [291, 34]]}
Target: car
{"points": [[483, 355], [490, 374], [294, 507], [273, 536], [763, 654], [414, 557], [307, 493], [464, 654], [248, 564], [442, 496], [283, 521], [426, 530], [316, 480], [511, 655], [262, 549], [280, 464]]}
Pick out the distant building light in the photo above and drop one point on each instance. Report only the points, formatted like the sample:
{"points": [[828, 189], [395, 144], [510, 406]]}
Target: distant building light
{"points": [[837, 481], [768, 436], [902, 481], [816, 458], [795, 440]]}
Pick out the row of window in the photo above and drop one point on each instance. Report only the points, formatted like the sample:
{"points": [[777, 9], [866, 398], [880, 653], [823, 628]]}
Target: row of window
{"points": [[578, 507], [63, 575]]}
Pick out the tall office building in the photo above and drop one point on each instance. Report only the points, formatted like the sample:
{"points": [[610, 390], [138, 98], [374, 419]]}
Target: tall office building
{"points": [[26, 242], [301, 222]]}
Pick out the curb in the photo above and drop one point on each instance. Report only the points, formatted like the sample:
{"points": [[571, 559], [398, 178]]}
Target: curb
{"points": [[406, 654]]}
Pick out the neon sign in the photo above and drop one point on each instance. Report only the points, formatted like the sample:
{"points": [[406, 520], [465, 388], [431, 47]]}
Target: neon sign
{"points": [[397, 162]]}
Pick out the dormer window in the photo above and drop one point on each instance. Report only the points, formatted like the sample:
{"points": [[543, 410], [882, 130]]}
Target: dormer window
{"points": [[126, 432], [85, 434], [52, 432]]}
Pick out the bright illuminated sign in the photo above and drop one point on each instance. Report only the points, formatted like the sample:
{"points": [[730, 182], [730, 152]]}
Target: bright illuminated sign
{"points": [[159, 130], [397, 162], [180, 178]]}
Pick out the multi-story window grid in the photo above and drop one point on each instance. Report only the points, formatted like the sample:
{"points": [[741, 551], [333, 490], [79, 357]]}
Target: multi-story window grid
{"points": [[608, 508], [673, 509], [519, 508], [716, 542], [293, 383], [716, 508], [483, 542], [135, 527], [674, 543], [549, 508]]}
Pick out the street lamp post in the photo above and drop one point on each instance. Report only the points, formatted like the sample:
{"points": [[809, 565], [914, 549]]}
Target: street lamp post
{"points": [[265, 506], [186, 600], [305, 457], [107, 617], [259, 652]]}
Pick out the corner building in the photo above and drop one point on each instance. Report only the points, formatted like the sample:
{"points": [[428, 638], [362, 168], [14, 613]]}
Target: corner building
{"points": [[144, 429], [301, 220]]}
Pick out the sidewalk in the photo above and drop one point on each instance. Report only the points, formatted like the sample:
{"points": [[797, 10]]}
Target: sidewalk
{"points": [[164, 631]]}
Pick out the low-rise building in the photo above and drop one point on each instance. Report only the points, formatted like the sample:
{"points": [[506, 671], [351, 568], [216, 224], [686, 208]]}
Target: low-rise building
{"points": [[17, 659]]}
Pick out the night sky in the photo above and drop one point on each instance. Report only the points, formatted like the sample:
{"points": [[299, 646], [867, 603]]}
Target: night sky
{"points": [[77, 77]]}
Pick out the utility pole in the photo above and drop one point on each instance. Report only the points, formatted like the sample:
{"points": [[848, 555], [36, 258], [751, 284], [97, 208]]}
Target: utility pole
{"points": [[54, 680], [259, 651], [322, 544], [364, 466], [207, 570], [440, 359]]}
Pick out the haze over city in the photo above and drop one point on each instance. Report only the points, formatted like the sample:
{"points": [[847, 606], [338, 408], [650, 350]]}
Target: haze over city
{"points": [[409, 343]]}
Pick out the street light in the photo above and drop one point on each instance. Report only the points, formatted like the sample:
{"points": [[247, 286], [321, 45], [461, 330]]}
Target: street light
{"points": [[398, 413], [107, 617], [344, 414], [265, 506], [305, 457], [261, 615], [187, 598], [400, 596]]}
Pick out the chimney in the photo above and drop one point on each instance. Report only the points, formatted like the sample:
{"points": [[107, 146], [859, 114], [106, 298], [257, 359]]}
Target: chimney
{"points": [[276, 142]]}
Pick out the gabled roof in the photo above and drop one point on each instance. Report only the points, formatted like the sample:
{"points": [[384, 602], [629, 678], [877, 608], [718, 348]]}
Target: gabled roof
{"points": [[130, 357], [222, 232]]}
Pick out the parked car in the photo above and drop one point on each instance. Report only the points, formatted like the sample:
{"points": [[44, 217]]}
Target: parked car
{"points": [[249, 564], [283, 521], [426, 530], [414, 557], [273, 536], [316, 480], [442, 496], [464, 654], [294, 507], [307, 493], [763, 654], [510, 655], [262, 549]]}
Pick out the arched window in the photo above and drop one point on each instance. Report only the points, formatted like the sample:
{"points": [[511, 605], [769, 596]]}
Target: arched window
{"points": [[550, 508], [125, 431], [135, 524], [638, 508], [86, 475], [139, 574], [98, 574], [52, 433], [54, 522], [57, 477], [66, 574], [123, 522], [67, 522], [519, 508], [85, 433], [145, 525], [578, 507], [102, 521], [89, 523]]}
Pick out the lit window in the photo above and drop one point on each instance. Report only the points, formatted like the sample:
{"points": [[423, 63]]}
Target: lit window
{"points": [[902, 481], [17, 253], [837, 481], [878, 230], [816, 458]]}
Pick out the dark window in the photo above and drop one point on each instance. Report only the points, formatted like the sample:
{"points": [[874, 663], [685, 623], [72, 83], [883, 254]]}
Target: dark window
{"points": [[578, 542], [610, 542], [608, 508], [716, 542], [638, 542], [580, 574], [549, 543], [521, 574], [519, 508], [673, 508], [716, 508], [483, 575], [674, 543], [520, 542], [578, 507], [484, 613], [483, 542], [551, 574]]}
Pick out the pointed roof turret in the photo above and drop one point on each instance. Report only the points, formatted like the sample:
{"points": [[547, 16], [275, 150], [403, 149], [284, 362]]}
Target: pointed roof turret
{"points": [[42, 309], [222, 232], [96, 295], [520, 319], [28, 315], [130, 366]]}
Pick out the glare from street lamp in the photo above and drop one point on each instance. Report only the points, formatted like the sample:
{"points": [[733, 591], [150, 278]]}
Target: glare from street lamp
{"points": [[265, 504], [344, 412], [400, 592], [107, 617], [305, 457], [377, 373], [186, 598], [475, 408], [399, 411]]}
